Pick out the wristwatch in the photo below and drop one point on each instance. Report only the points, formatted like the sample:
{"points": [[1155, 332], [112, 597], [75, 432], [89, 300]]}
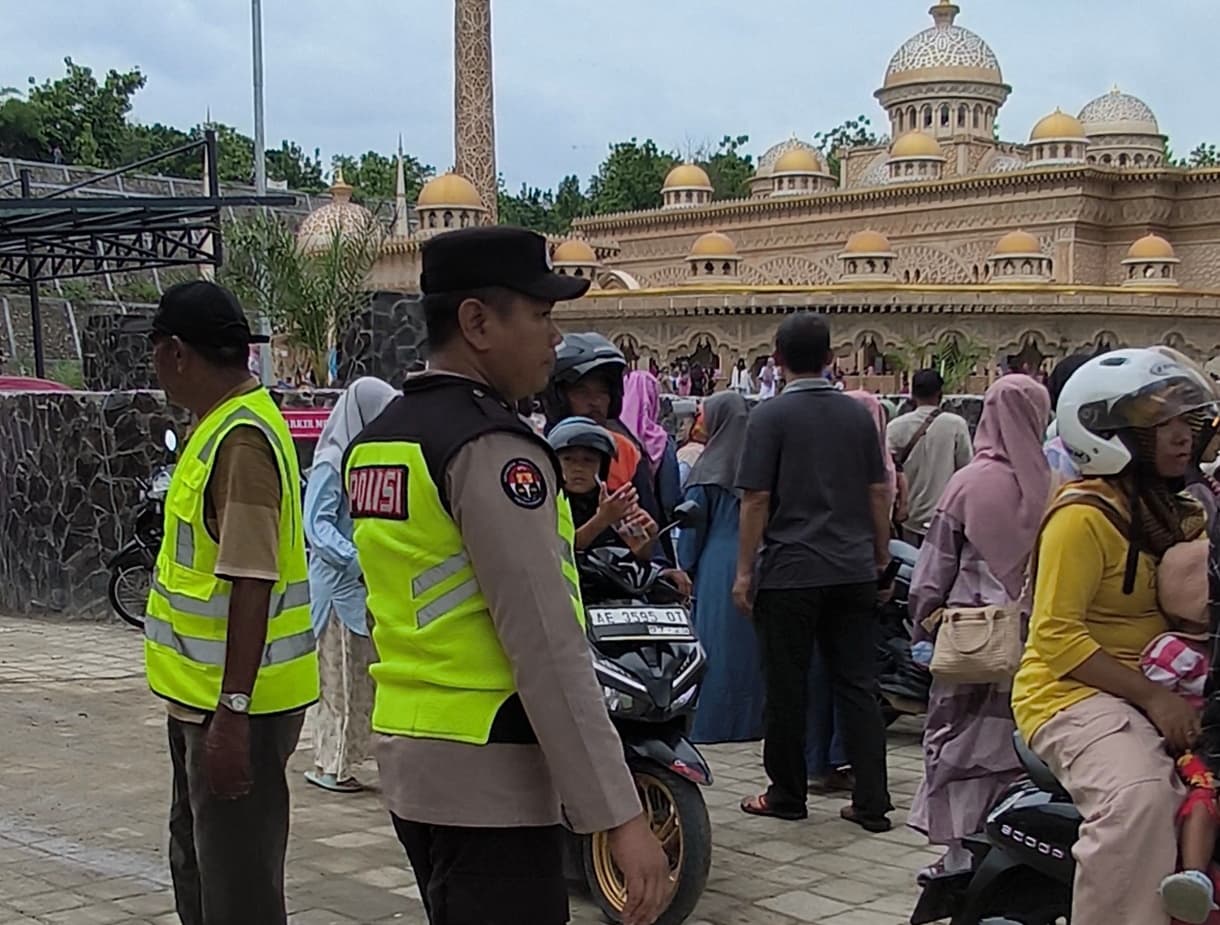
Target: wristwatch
{"points": [[236, 703]]}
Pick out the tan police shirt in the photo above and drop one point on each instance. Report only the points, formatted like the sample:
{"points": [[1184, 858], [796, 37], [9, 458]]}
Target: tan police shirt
{"points": [[578, 761]]}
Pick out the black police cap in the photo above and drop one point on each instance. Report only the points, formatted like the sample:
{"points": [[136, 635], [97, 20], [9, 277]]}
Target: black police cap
{"points": [[512, 258], [202, 313]]}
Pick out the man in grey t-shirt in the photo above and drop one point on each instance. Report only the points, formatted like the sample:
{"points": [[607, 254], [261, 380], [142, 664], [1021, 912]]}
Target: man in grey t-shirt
{"points": [[816, 499], [929, 449]]}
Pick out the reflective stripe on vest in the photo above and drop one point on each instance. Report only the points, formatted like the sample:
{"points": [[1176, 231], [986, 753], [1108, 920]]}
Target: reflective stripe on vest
{"points": [[441, 671], [186, 623]]}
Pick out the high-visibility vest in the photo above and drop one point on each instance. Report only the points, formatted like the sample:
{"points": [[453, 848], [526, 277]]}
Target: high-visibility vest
{"points": [[441, 672], [187, 618]]}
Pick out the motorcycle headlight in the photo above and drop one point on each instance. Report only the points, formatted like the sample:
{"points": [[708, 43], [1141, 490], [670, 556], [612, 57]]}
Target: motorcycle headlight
{"points": [[685, 698], [617, 701]]}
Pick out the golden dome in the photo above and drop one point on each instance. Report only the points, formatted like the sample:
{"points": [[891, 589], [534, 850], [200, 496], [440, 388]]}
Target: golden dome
{"points": [[1017, 244], [867, 242], [1057, 125], [916, 144], [1151, 247], [574, 251], [318, 228], [713, 244], [449, 189], [686, 176], [798, 160]]}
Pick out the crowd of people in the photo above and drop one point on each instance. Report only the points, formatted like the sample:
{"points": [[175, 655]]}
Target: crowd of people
{"points": [[1079, 511]]}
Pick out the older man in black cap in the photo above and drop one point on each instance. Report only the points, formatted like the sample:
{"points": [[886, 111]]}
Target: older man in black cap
{"points": [[492, 725], [228, 639]]}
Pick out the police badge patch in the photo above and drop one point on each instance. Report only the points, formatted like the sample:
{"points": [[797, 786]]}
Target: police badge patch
{"points": [[522, 481]]}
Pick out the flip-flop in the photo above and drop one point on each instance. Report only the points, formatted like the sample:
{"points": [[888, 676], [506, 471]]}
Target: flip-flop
{"points": [[760, 806], [334, 785], [874, 824]]}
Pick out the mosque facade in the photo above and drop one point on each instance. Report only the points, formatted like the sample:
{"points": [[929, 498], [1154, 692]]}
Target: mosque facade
{"points": [[943, 237]]}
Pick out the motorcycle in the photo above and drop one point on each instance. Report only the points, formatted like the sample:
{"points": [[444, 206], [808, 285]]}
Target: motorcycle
{"points": [[1022, 866], [904, 683], [650, 665], [131, 568]]}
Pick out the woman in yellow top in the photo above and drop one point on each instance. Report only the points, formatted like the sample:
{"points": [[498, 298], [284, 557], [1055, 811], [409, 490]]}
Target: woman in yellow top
{"points": [[1079, 698]]}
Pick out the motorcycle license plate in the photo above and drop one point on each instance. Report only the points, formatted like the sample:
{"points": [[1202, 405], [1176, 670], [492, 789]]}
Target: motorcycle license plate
{"points": [[640, 622]]}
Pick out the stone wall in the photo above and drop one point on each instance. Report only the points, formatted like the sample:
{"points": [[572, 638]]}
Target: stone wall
{"points": [[69, 465]]}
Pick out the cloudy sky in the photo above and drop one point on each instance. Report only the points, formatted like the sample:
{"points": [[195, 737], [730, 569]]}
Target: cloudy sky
{"points": [[571, 77]]}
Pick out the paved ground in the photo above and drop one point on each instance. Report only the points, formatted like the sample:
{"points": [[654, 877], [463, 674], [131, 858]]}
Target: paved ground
{"points": [[85, 790]]}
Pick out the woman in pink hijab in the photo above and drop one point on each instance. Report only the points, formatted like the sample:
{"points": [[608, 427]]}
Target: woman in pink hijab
{"points": [[641, 416], [976, 553]]}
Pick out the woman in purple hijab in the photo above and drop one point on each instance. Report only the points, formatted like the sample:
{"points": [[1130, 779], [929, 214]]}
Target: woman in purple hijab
{"points": [[975, 555]]}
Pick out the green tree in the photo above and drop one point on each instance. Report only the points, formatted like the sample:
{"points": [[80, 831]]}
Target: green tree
{"points": [[531, 208], [143, 141], [289, 164], [570, 203], [87, 120], [21, 130], [310, 296], [374, 175], [630, 177], [1204, 155], [854, 133], [729, 170]]}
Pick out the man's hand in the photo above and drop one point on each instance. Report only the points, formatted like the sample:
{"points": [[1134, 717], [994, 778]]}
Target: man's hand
{"points": [[1176, 719], [645, 869], [614, 507], [680, 580], [743, 598], [227, 754]]}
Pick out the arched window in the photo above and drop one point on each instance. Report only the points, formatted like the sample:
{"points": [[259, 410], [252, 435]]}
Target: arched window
{"points": [[1106, 159], [709, 268], [898, 121], [961, 115], [431, 219], [851, 267], [912, 124], [944, 115], [1122, 160], [918, 275], [448, 221], [1165, 271], [578, 272], [906, 276], [1027, 268], [727, 268], [1139, 160], [974, 273], [927, 116], [1092, 159], [978, 115]]}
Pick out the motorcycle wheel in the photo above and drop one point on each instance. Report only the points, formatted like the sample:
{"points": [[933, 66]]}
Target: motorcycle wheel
{"points": [[128, 593], [679, 819]]}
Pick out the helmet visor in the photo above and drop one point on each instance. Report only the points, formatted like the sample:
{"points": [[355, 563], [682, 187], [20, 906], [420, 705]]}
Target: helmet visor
{"points": [[1178, 393]]}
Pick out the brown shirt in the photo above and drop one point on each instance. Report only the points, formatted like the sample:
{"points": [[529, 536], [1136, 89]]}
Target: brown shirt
{"points": [[578, 760], [241, 511]]}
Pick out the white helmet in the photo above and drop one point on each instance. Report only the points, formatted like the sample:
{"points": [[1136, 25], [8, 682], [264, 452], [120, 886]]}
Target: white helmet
{"points": [[1121, 390]]}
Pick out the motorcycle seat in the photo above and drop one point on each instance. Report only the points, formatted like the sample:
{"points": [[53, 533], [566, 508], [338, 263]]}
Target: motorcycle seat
{"points": [[1036, 768]]}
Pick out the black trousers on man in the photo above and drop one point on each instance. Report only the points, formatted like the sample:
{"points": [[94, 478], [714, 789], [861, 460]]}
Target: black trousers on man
{"points": [[842, 619], [470, 876], [227, 856]]}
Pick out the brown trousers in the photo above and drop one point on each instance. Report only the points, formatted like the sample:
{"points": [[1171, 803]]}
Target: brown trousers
{"points": [[1113, 762]]}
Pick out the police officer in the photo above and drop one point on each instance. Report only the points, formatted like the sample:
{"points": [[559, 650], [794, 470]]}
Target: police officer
{"points": [[492, 725], [228, 638]]}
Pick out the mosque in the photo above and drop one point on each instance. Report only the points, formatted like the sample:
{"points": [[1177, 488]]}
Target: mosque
{"points": [[942, 238]]}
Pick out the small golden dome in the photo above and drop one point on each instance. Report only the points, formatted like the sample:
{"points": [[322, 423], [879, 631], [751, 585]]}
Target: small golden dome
{"points": [[1057, 125], [798, 160], [449, 189], [1017, 244], [1151, 247], [867, 242], [915, 144], [713, 244], [686, 176], [574, 251]]}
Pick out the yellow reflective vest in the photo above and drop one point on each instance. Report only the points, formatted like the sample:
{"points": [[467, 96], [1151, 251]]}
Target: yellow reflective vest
{"points": [[441, 672], [187, 617]]}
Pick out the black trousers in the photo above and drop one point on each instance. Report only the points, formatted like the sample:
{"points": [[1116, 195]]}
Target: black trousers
{"points": [[472, 876], [842, 619], [227, 856]]}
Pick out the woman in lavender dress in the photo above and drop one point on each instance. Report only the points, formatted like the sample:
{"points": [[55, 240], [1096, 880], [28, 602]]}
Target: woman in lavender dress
{"points": [[975, 554]]}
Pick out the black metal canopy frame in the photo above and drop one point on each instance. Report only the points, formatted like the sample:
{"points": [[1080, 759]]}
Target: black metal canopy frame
{"points": [[69, 233]]}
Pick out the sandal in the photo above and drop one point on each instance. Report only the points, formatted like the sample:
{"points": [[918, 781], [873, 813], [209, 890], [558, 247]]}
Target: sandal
{"points": [[332, 783], [874, 824], [761, 806]]}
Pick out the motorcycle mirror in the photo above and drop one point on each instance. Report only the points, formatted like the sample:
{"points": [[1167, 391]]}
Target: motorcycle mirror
{"points": [[171, 440]]}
